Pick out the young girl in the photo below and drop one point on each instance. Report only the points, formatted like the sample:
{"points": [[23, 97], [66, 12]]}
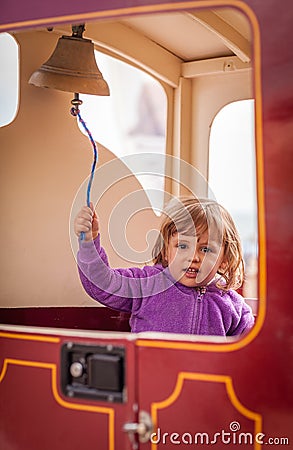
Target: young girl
{"points": [[189, 289]]}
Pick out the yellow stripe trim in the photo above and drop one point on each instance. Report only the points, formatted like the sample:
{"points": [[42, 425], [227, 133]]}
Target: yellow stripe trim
{"points": [[59, 400], [30, 337], [227, 380]]}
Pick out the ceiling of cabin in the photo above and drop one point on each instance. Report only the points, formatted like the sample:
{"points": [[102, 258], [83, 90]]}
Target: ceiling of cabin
{"points": [[213, 33], [161, 42]]}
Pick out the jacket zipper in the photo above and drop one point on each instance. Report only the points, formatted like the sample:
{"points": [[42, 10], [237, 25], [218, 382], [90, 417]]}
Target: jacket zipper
{"points": [[198, 308]]}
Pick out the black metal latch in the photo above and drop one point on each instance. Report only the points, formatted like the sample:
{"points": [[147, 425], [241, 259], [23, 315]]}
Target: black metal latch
{"points": [[93, 371]]}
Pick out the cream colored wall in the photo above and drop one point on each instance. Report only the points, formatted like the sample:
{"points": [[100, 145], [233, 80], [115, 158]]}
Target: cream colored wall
{"points": [[44, 160]]}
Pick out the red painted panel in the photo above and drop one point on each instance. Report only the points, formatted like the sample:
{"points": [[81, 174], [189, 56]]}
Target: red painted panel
{"points": [[27, 390], [201, 392], [35, 414], [32, 12], [89, 318]]}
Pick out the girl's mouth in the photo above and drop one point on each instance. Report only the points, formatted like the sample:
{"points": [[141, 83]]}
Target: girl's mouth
{"points": [[191, 272]]}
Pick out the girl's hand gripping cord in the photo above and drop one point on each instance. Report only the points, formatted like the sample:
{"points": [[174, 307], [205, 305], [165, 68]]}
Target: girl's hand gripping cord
{"points": [[87, 222]]}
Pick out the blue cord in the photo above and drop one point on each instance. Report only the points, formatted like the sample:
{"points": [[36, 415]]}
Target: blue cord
{"points": [[88, 193]]}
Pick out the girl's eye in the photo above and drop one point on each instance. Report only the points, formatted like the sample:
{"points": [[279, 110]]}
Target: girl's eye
{"points": [[182, 246], [206, 249]]}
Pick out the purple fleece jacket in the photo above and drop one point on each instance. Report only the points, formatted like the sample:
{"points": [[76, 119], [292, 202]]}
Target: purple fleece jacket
{"points": [[158, 303]]}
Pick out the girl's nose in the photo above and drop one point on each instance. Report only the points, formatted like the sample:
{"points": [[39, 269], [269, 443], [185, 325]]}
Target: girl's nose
{"points": [[195, 257]]}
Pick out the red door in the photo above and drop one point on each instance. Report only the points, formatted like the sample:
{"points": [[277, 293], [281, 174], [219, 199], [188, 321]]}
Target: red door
{"points": [[69, 391], [200, 396]]}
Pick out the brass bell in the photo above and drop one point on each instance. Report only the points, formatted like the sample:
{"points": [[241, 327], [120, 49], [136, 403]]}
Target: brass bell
{"points": [[72, 67]]}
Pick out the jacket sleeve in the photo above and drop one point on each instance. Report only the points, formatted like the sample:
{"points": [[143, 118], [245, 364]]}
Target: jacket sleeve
{"points": [[243, 319], [116, 288]]}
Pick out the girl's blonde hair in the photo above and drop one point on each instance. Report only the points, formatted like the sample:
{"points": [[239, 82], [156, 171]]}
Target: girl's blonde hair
{"points": [[190, 216]]}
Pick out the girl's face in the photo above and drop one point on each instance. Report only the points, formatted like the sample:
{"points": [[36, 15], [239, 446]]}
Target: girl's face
{"points": [[194, 261]]}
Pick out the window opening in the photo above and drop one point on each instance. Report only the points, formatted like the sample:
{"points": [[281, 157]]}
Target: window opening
{"points": [[132, 120], [9, 79], [232, 177]]}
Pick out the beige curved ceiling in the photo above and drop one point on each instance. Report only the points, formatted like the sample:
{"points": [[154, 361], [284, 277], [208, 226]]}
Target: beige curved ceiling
{"points": [[197, 35]]}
